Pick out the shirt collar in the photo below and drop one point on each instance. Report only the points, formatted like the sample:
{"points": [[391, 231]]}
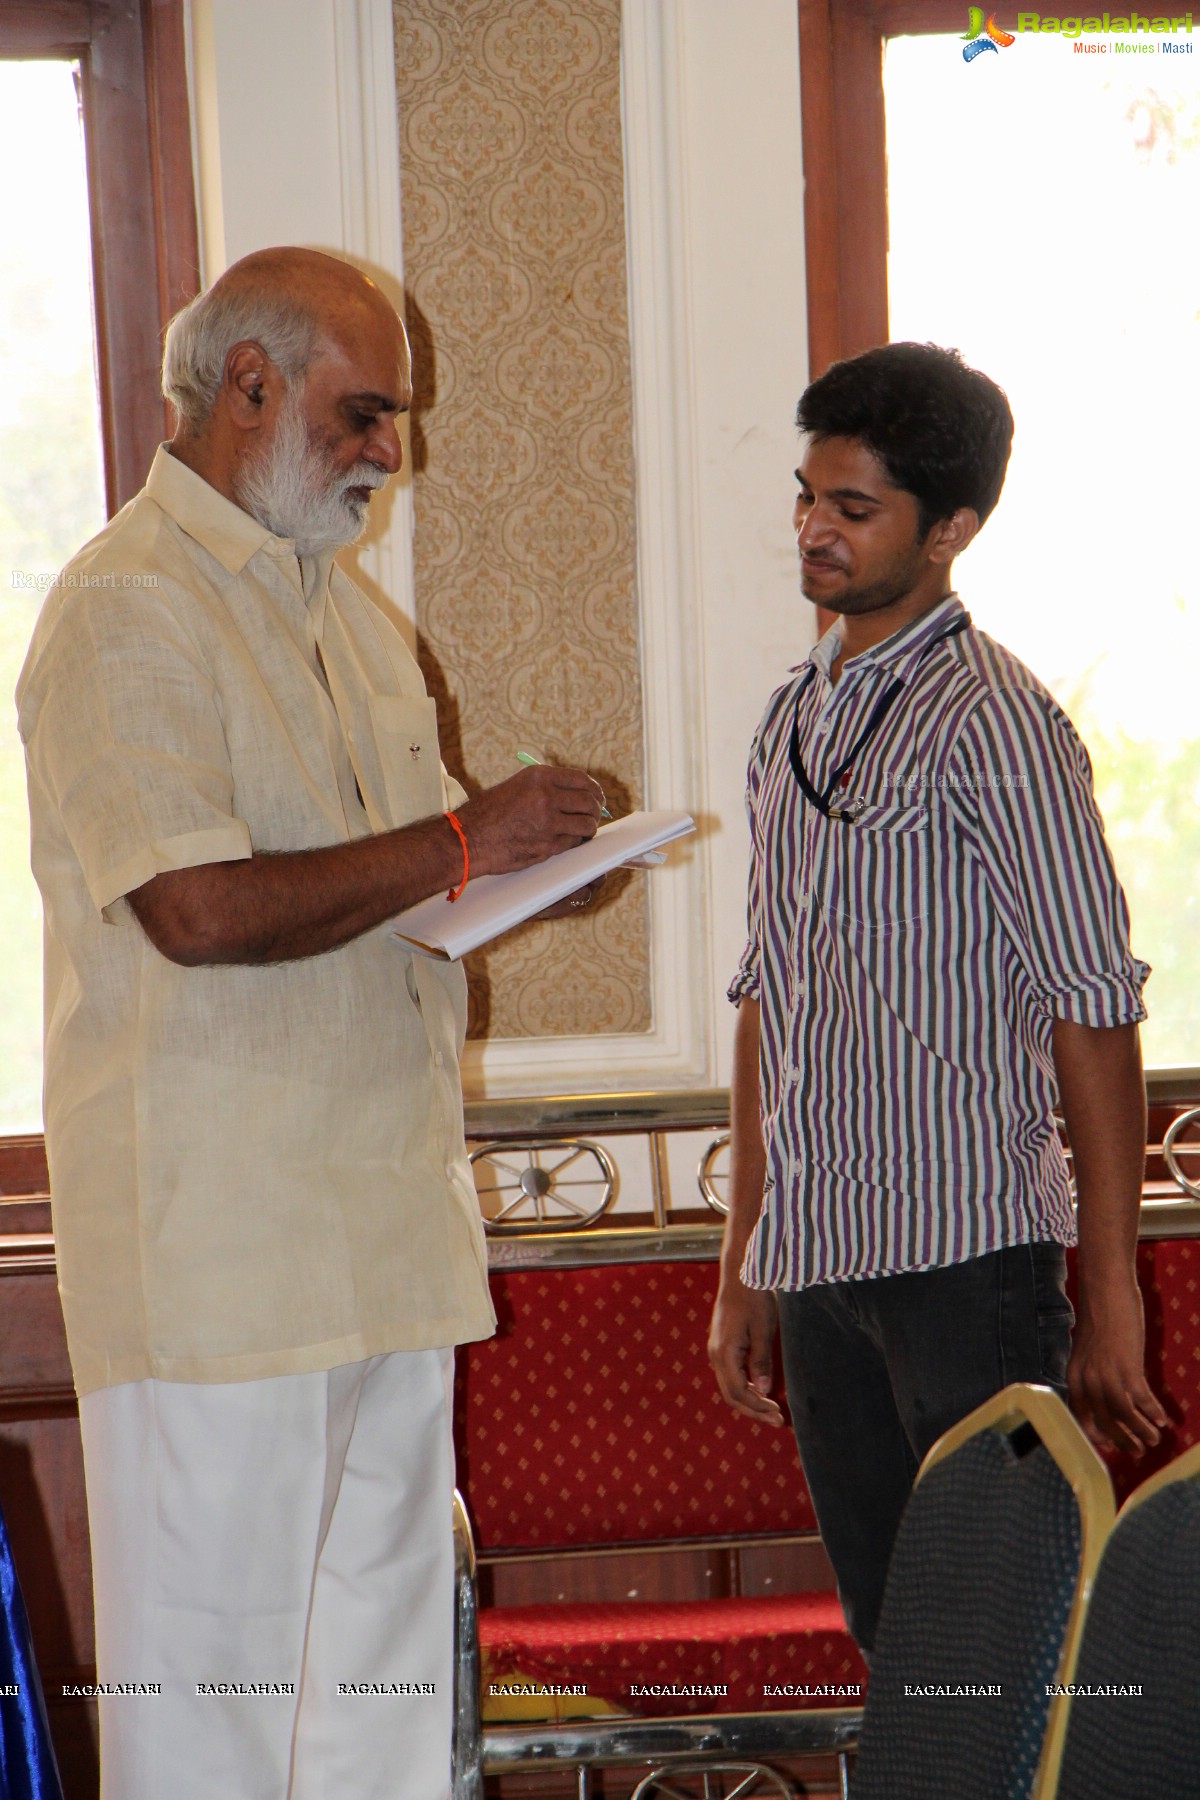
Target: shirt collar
{"points": [[901, 652], [225, 530]]}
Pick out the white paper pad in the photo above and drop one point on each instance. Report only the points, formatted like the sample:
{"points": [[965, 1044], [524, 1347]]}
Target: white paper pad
{"points": [[492, 904]]}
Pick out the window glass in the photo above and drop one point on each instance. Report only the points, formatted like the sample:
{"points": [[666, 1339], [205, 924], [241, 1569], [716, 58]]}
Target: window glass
{"points": [[51, 484], [1042, 212]]}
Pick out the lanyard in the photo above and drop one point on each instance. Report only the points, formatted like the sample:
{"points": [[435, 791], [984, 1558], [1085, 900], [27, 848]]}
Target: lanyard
{"points": [[841, 774]]}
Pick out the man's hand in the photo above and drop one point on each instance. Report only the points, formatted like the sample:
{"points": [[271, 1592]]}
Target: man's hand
{"points": [[529, 817], [1103, 1096], [1109, 1392], [741, 1343], [741, 1338], [572, 905], [272, 908]]}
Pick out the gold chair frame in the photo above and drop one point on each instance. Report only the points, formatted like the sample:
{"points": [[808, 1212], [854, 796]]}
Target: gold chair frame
{"points": [[1021, 1404], [1185, 1467]]}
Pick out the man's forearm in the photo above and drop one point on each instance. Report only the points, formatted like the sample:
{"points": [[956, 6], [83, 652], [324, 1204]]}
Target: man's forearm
{"points": [[1103, 1099], [742, 1334], [277, 908], [747, 1155], [1104, 1103]]}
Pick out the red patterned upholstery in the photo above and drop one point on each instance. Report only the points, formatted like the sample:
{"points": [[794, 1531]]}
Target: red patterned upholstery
{"points": [[745, 1646], [593, 1417]]}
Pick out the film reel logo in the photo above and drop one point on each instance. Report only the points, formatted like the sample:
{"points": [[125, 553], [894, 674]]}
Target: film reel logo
{"points": [[983, 36]]}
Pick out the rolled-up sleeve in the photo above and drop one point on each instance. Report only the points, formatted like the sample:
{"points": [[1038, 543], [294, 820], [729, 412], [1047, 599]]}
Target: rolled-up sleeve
{"points": [[745, 984], [1021, 782], [122, 727]]}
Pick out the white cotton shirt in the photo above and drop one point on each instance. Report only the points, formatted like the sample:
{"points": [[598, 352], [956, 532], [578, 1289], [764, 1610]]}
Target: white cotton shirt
{"points": [[254, 1170]]}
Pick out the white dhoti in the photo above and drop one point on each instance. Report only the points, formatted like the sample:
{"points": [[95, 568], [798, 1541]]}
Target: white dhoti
{"points": [[275, 1559]]}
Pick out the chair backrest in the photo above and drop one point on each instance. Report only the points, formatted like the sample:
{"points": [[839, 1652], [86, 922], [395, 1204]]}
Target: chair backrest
{"points": [[1130, 1720], [1003, 1528], [592, 1417]]}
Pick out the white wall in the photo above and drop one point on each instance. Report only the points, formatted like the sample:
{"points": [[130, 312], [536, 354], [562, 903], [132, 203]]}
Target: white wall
{"points": [[293, 103], [738, 186]]}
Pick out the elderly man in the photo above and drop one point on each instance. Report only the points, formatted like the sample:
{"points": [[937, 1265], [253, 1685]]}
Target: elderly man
{"points": [[267, 1229]]}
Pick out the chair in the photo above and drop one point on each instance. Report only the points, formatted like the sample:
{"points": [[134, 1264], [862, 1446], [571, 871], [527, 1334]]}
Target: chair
{"points": [[28, 1768], [590, 1435], [1130, 1730], [995, 1553]]}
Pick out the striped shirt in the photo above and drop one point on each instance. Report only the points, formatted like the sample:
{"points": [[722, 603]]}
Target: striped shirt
{"points": [[910, 964]]}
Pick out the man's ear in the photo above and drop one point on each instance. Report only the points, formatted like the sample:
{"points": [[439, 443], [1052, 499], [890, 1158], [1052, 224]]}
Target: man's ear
{"points": [[252, 385], [950, 537]]}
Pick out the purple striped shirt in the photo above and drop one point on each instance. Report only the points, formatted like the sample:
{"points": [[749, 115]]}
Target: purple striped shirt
{"points": [[910, 965]]}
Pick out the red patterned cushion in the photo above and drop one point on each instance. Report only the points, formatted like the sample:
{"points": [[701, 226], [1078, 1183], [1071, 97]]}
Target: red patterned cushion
{"points": [[745, 1646], [593, 1417]]}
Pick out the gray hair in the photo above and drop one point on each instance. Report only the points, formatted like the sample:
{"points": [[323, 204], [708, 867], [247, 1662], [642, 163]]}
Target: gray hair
{"points": [[201, 335]]}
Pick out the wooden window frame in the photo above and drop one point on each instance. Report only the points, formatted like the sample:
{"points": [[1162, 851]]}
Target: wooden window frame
{"points": [[132, 56], [145, 249], [845, 163]]}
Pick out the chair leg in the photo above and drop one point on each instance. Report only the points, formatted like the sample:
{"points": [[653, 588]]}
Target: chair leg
{"points": [[583, 1780], [843, 1763], [467, 1748]]}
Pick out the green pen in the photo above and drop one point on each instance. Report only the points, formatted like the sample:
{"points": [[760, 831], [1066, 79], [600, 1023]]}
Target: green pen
{"points": [[535, 762]]}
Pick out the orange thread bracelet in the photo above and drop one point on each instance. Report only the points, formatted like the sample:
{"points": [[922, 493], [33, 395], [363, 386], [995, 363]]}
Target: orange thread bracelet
{"points": [[462, 838]]}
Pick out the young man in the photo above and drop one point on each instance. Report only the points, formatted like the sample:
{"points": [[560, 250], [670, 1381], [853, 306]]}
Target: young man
{"points": [[938, 949]]}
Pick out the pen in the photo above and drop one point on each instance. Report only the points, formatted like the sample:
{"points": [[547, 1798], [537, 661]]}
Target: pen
{"points": [[535, 762]]}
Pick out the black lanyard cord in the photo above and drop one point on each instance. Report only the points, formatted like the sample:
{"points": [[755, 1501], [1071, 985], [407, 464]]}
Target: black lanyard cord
{"points": [[878, 713]]}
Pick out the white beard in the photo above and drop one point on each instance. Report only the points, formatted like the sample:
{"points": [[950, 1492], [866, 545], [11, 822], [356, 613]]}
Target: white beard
{"points": [[293, 490]]}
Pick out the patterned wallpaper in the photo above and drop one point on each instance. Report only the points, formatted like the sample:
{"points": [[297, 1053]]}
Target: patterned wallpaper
{"points": [[514, 250]]}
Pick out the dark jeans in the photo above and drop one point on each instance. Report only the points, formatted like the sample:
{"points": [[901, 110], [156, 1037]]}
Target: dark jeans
{"points": [[877, 1370]]}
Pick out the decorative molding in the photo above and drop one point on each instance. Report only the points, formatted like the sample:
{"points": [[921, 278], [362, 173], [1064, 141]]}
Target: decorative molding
{"points": [[677, 1050], [369, 155], [525, 542], [205, 128]]}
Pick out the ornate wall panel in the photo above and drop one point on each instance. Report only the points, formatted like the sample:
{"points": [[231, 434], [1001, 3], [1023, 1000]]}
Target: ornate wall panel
{"points": [[524, 549]]}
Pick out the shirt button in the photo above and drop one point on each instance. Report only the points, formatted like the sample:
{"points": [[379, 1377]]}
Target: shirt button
{"points": [[823, 727], [438, 1059]]}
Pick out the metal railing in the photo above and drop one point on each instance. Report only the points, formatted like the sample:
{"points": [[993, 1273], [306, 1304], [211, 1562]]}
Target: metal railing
{"points": [[500, 1128], [556, 1137]]}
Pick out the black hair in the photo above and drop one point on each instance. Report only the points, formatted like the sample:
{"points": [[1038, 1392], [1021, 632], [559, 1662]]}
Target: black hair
{"points": [[942, 430]]}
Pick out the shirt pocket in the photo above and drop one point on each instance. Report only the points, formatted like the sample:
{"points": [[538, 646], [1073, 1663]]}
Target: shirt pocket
{"points": [[410, 760], [882, 867]]}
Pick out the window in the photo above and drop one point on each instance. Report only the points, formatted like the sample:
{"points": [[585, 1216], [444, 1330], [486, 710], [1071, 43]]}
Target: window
{"points": [[1035, 201], [51, 484], [100, 248]]}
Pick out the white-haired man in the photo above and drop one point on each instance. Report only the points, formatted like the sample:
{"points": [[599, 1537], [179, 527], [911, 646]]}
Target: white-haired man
{"points": [[267, 1230]]}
